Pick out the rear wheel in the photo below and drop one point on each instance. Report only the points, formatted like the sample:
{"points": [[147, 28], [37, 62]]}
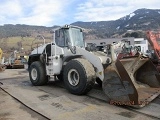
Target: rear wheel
{"points": [[37, 74], [79, 76]]}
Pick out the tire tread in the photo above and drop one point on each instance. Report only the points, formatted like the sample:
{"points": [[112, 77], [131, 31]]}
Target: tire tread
{"points": [[90, 75], [42, 74]]}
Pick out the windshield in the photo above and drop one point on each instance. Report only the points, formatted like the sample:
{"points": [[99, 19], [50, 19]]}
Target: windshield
{"points": [[72, 35], [76, 37]]}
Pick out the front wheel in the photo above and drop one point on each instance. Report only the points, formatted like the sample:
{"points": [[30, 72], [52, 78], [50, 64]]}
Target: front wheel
{"points": [[37, 74], [79, 76]]}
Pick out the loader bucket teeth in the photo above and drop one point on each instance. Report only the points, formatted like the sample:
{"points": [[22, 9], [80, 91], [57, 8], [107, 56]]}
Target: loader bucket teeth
{"points": [[132, 81]]}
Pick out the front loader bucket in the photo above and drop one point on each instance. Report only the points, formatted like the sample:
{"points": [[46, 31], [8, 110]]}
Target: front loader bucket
{"points": [[132, 81]]}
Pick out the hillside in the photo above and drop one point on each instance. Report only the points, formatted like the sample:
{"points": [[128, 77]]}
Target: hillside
{"points": [[139, 20], [18, 37], [13, 37]]}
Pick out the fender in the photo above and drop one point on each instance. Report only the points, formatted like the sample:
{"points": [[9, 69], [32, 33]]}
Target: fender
{"points": [[32, 58], [95, 60]]}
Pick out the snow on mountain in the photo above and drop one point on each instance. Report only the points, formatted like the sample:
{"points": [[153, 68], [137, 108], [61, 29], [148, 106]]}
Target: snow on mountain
{"points": [[131, 15]]}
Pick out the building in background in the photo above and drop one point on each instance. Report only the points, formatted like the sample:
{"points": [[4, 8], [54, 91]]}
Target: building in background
{"points": [[142, 44]]}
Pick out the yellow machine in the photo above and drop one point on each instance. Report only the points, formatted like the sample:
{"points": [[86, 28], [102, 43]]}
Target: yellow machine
{"points": [[16, 61], [2, 67], [1, 52]]}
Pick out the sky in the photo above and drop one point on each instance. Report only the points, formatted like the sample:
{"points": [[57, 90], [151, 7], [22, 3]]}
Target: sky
{"points": [[61, 12]]}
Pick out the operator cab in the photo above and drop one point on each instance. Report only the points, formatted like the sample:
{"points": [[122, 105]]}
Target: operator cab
{"points": [[69, 36]]}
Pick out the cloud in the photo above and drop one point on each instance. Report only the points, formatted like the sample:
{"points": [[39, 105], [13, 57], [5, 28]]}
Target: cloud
{"points": [[10, 8], [93, 10], [33, 12], [60, 12], [43, 13]]}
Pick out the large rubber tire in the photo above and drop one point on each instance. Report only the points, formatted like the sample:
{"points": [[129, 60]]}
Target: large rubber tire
{"points": [[82, 71], [37, 74]]}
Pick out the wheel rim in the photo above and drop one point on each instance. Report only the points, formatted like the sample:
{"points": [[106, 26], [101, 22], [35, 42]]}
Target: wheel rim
{"points": [[73, 77], [34, 74]]}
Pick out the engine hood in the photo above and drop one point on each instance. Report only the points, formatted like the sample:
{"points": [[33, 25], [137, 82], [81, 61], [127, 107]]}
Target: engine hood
{"points": [[39, 50]]}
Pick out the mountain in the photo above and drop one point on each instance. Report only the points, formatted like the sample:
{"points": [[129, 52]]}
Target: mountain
{"points": [[16, 37], [9, 30], [139, 20]]}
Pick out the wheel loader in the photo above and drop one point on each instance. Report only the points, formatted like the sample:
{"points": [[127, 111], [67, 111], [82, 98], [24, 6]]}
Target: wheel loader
{"points": [[132, 80]]}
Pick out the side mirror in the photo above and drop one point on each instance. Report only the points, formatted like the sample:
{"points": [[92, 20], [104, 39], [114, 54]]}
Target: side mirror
{"points": [[73, 49]]}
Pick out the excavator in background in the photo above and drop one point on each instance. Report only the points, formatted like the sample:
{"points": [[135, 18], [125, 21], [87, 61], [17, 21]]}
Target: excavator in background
{"points": [[2, 66], [131, 80], [153, 40], [16, 61]]}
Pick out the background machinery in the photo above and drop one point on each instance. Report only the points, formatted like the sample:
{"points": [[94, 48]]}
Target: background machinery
{"points": [[16, 61], [153, 40], [132, 79], [2, 66]]}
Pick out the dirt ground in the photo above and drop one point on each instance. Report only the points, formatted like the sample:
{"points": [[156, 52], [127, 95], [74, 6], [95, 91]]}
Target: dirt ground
{"points": [[19, 99]]}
